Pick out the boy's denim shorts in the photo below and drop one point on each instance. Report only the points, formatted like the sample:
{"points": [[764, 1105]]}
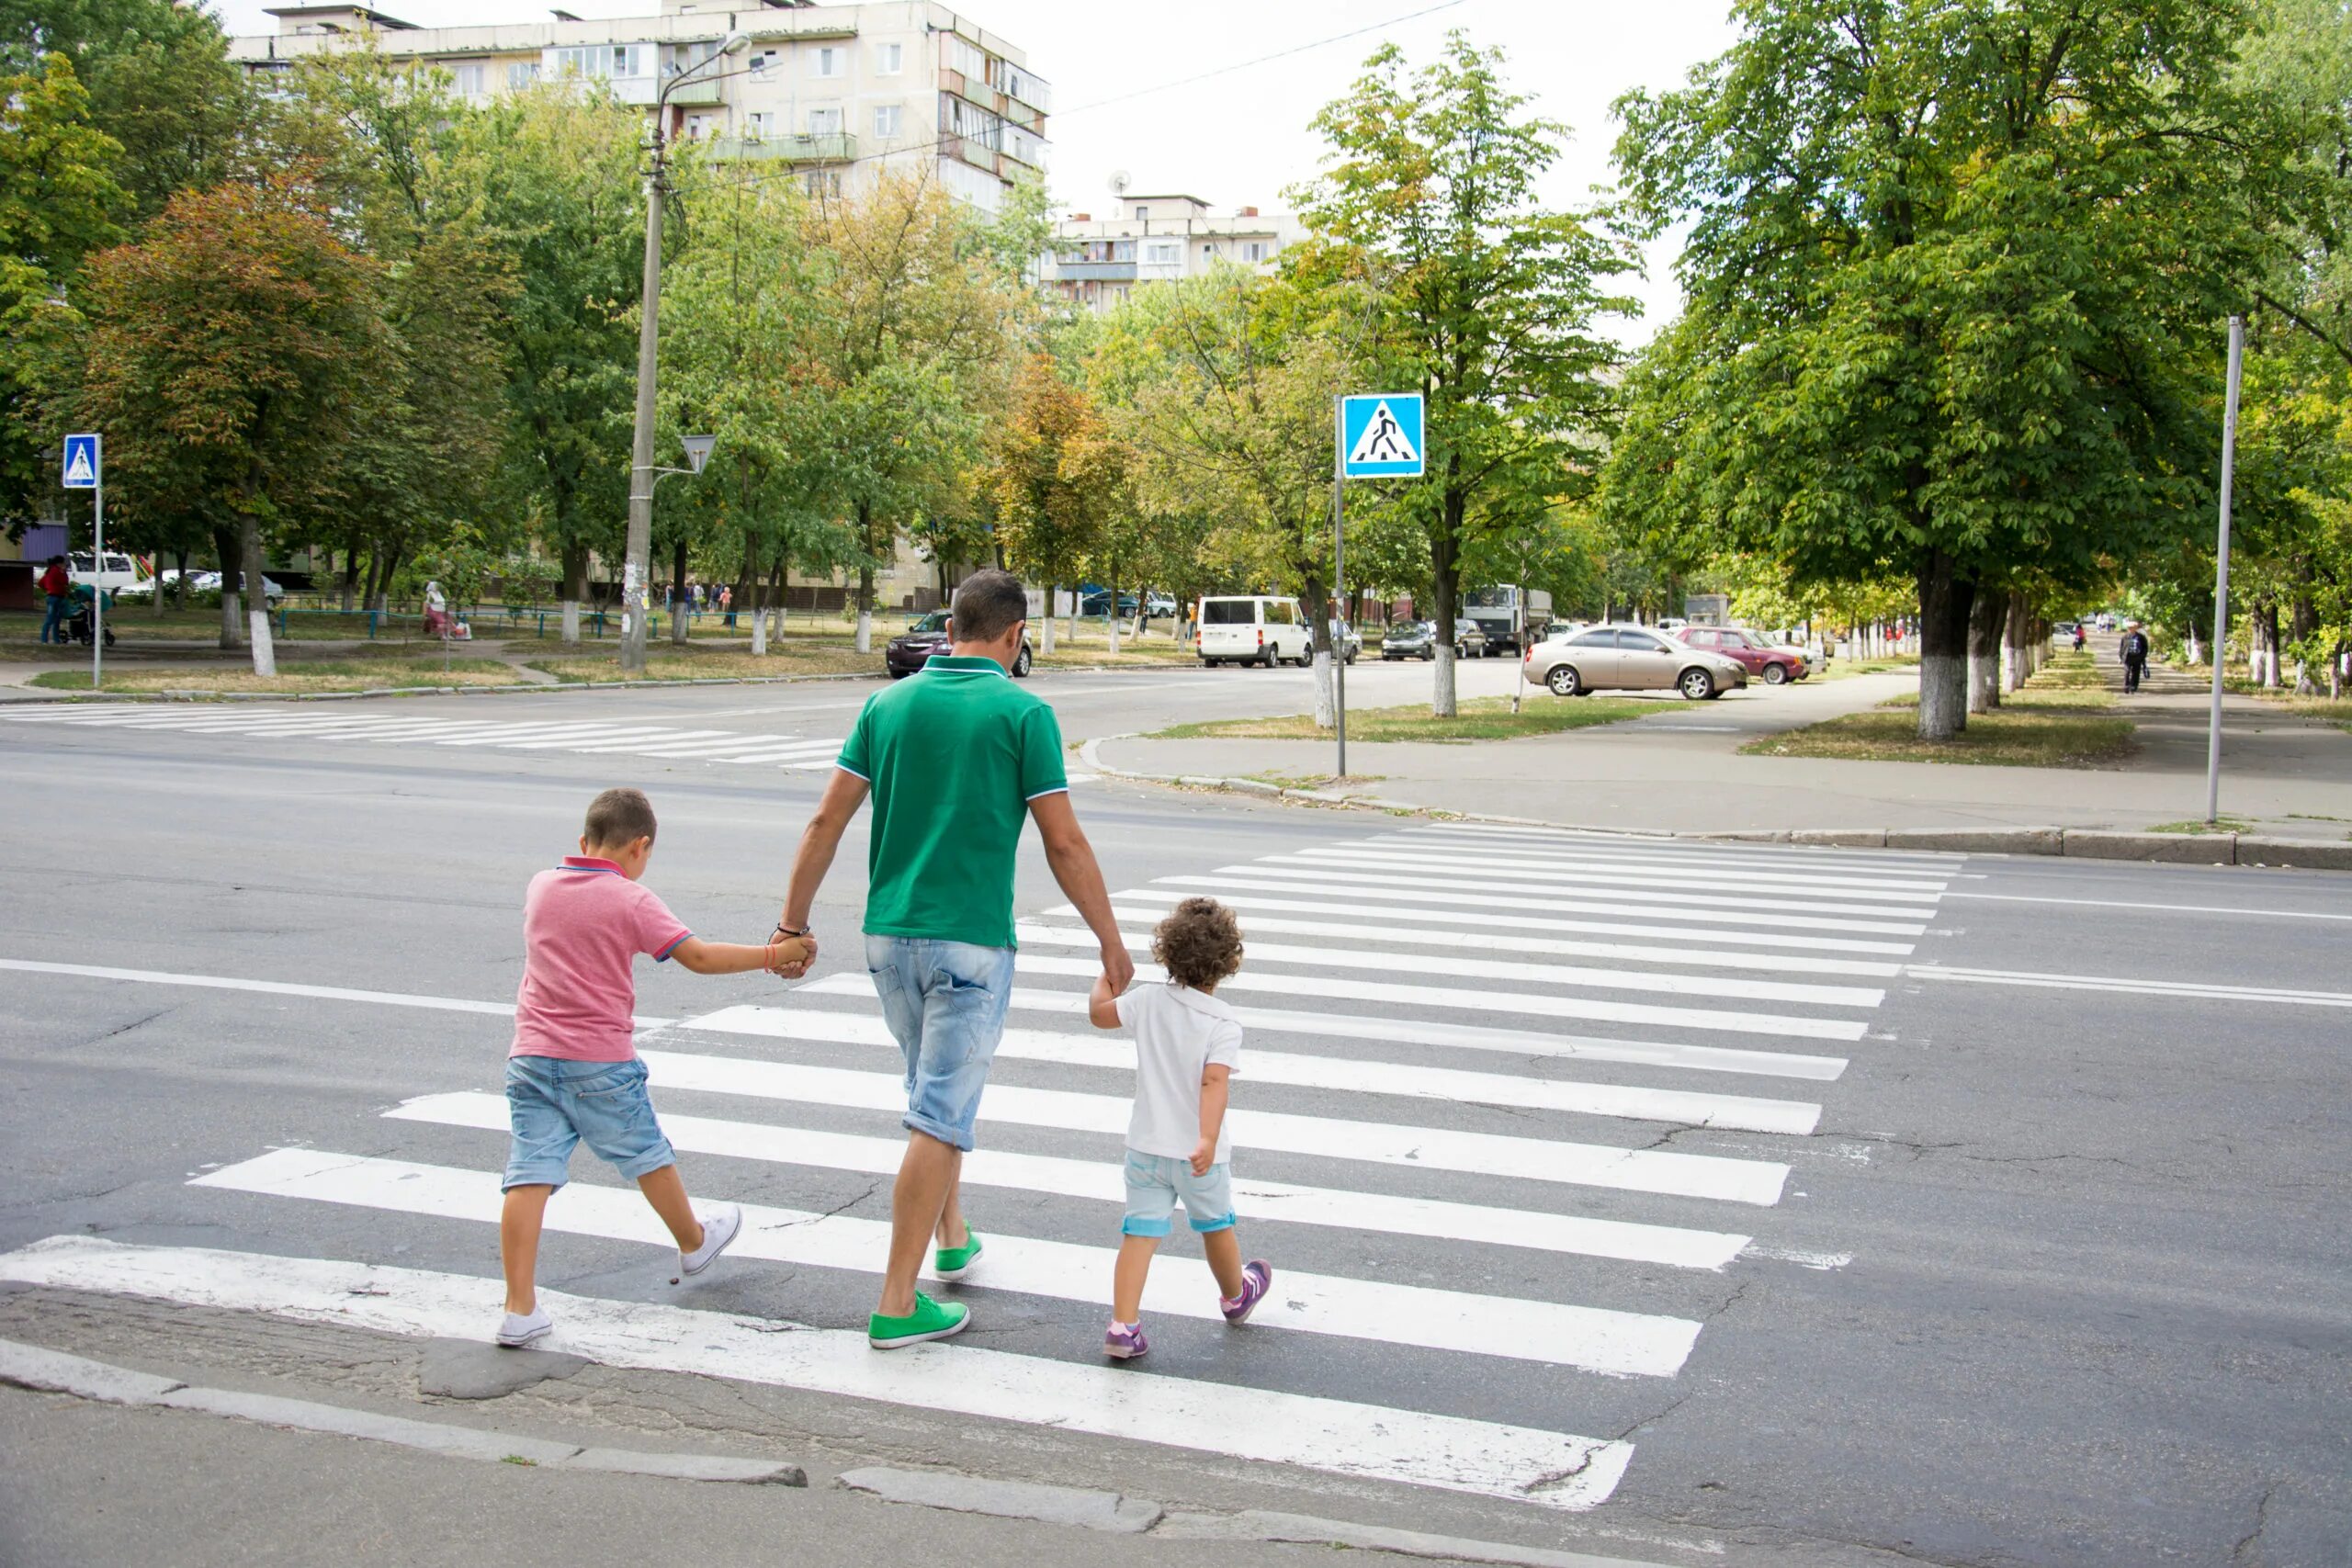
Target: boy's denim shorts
{"points": [[554, 1103], [944, 1002], [1155, 1182]]}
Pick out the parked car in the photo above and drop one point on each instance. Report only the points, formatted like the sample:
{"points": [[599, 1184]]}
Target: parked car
{"points": [[1092, 601], [120, 572], [209, 583], [927, 635], [1773, 666], [1630, 658], [1254, 629], [167, 578], [1345, 641], [1469, 640], [1158, 606], [1410, 639]]}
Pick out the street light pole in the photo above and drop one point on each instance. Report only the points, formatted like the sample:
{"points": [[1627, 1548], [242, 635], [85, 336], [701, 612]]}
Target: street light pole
{"points": [[636, 570]]}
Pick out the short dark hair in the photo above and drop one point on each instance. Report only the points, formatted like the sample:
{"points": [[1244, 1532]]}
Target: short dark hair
{"points": [[55, 560], [1199, 944], [618, 817], [987, 604]]}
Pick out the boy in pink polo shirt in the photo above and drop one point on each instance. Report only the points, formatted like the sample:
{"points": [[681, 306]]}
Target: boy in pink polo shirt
{"points": [[573, 1076]]}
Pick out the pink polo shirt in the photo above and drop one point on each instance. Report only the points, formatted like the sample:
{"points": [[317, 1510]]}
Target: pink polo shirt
{"points": [[583, 925]]}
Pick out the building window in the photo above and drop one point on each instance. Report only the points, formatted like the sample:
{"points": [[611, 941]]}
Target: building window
{"points": [[829, 60], [757, 124], [601, 62], [1167, 254], [889, 59], [697, 126], [886, 122], [1254, 251], [521, 74], [823, 182], [825, 122], [1143, 214], [473, 81]]}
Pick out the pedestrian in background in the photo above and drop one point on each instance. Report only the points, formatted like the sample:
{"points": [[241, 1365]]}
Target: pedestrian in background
{"points": [[1187, 1045], [572, 1074], [2134, 651], [55, 583]]}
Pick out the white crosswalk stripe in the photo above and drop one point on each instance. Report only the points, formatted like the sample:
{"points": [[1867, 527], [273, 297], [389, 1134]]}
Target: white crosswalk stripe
{"points": [[667, 743], [1388, 1031]]}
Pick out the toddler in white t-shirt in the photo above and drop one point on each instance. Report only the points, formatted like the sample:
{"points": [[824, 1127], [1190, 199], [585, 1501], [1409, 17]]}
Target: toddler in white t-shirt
{"points": [[1187, 1044]]}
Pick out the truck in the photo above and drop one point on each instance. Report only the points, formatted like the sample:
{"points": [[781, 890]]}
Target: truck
{"points": [[1511, 616]]}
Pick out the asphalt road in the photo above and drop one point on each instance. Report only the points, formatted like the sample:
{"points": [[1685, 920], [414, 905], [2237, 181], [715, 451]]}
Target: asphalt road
{"points": [[2013, 1234]]}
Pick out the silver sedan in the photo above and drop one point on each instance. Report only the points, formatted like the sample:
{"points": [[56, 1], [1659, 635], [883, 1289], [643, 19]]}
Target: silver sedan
{"points": [[1630, 658]]}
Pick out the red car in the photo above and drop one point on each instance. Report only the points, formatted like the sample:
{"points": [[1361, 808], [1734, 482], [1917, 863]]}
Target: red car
{"points": [[1773, 666]]}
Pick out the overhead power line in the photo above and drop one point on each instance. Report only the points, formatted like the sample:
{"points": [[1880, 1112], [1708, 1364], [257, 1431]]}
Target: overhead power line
{"points": [[1263, 58]]}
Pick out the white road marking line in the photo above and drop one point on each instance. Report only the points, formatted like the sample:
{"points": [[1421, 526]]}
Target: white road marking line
{"points": [[1581, 838], [1347, 1075], [1408, 912], [821, 751], [1561, 974], [599, 734], [1554, 892], [549, 730], [2188, 990], [1374, 1143], [1674, 853], [1370, 1442], [280, 988], [711, 751], [1623, 1344], [1366, 886], [1684, 882], [1453, 1036], [2104, 904], [1443, 998], [1695, 950]]}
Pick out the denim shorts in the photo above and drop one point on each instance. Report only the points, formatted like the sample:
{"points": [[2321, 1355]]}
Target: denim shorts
{"points": [[554, 1103], [1155, 1181], [944, 1002]]}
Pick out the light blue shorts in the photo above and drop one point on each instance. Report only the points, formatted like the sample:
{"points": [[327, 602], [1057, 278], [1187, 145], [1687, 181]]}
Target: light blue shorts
{"points": [[554, 1103], [1155, 1183], [944, 1002]]}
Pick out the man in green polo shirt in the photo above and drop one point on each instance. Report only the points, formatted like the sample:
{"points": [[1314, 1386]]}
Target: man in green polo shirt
{"points": [[956, 760]]}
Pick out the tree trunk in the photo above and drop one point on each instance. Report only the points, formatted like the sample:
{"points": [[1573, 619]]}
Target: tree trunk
{"points": [[575, 589], [1111, 614], [350, 573], [1318, 639], [1445, 568], [748, 596], [179, 580], [2016, 663], [683, 614], [1985, 618], [865, 609], [225, 556], [2303, 622], [2267, 626], [1945, 601], [256, 596], [1046, 647], [775, 586]]}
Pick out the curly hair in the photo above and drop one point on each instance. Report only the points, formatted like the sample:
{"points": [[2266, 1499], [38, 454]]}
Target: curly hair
{"points": [[1199, 944]]}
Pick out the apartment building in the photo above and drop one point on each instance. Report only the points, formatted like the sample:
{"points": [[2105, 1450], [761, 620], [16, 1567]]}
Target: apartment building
{"points": [[834, 93], [1096, 262]]}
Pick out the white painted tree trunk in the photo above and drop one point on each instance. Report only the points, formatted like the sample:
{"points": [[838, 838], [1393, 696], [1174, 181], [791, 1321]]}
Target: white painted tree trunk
{"points": [[2196, 655], [865, 631], [1046, 647], [1442, 702], [1326, 713], [1112, 622], [760, 634], [572, 623], [265, 653]]}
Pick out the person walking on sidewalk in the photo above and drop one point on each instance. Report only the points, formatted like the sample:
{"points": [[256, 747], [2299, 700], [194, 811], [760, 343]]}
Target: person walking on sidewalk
{"points": [[1188, 1045], [956, 760], [2133, 649], [56, 584], [573, 1075]]}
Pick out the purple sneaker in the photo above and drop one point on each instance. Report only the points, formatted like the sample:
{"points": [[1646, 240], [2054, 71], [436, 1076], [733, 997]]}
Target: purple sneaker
{"points": [[1257, 1279], [1124, 1344]]}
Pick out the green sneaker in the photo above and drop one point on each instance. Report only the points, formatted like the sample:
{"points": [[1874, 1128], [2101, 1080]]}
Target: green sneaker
{"points": [[929, 1321], [954, 1262]]}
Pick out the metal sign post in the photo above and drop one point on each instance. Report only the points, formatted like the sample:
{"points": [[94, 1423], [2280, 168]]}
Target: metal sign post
{"points": [[1378, 436], [2221, 570], [85, 469]]}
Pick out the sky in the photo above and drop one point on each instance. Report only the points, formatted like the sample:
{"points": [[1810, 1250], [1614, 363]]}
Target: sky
{"points": [[1240, 137]]}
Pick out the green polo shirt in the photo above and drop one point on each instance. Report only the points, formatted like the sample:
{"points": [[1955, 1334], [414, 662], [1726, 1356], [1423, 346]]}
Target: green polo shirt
{"points": [[954, 755]]}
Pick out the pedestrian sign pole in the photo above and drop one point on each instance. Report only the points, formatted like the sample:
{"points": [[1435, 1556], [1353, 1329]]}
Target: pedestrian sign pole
{"points": [[1375, 435], [2221, 569], [85, 469]]}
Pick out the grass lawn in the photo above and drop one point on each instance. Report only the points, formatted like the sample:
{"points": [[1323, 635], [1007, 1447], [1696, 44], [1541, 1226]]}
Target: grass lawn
{"points": [[2026, 736], [295, 676], [1844, 669], [2218, 825], [1480, 718], [136, 623], [666, 662]]}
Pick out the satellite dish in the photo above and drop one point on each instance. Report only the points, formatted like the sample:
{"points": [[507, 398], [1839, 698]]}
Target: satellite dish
{"points": [[1120, 181]]}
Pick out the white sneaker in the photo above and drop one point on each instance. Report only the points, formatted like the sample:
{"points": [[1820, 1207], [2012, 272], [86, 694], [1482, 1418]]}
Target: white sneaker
{"points": [[518, 1330], [718, 1228]]}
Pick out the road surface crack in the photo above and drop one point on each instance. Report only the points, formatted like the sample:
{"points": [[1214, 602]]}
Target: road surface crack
{"points": [[2244, 1550]]}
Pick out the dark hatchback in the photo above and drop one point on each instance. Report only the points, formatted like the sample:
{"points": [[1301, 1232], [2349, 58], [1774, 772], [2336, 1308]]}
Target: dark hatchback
{"points": [[927, 635]]}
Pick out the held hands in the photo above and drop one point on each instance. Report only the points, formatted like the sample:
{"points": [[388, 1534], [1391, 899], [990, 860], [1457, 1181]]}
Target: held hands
{"points": [[789, 956], [1203, 1156], [1118, 969]]}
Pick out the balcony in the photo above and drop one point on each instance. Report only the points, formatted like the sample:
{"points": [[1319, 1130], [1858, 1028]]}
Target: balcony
{"points": [[784, 149], [696, 94], [1095, 271]]}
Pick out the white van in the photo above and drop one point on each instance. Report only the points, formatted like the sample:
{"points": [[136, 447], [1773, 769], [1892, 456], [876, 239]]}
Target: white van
{"points": [[118, 573], [1254, 630]]}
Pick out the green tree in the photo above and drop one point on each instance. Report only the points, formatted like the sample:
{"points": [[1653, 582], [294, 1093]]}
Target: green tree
{"points": [[1046, 456], [1954, 276], [1486, 299]]}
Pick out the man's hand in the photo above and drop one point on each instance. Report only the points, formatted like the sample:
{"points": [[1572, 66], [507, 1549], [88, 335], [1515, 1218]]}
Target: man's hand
{"points": [[1203, 1156], [1118, 969]]}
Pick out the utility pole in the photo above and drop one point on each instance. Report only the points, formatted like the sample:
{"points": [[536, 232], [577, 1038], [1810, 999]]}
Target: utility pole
{"points": [[1339, 570], [2221, 570], [636, 569]]}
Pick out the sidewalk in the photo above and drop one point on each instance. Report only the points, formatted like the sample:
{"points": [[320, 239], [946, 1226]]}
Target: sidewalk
{"points": [[1682, 772]]}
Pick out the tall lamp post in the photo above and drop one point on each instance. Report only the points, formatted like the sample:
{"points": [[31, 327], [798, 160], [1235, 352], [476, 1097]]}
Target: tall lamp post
{"points": [[636, 570]]}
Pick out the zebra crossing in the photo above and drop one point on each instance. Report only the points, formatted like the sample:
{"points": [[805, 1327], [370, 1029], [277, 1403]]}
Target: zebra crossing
{"points": [[1556, 1248]]}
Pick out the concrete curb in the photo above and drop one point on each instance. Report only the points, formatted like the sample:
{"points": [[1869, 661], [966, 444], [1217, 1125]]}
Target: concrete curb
{"points": [[52, 1372], [1121, 1515], [2091, 843]]}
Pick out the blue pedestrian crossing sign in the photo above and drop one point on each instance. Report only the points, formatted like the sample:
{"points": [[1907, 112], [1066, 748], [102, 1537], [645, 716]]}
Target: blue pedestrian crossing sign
{"points": [[1380, 435], [82, 462]]}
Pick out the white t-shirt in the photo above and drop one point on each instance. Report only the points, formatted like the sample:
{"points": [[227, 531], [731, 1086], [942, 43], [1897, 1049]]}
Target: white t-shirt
{"points": [[1178, 1033]]}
